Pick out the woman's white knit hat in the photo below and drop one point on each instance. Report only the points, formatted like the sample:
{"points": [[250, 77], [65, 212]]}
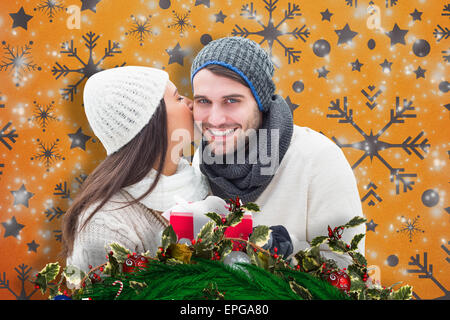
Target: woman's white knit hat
{"points": [[119, 102]]}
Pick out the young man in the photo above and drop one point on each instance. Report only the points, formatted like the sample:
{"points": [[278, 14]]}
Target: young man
{"points": [[251, 148]]}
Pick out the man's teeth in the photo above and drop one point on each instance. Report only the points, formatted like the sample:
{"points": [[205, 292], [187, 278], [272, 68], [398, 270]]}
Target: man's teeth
{"points": [[221, 133]]}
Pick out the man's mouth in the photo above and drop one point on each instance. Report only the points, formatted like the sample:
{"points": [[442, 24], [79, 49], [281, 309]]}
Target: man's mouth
{"points": [[220, 134]]}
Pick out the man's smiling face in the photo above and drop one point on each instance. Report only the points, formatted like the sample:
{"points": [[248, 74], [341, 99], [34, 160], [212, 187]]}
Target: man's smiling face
{"points": [[224, 110]]}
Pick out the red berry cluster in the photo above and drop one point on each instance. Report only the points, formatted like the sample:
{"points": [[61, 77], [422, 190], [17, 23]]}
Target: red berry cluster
{"points": [[94, 276], [336, 233], [216, 256], [275, 255]]}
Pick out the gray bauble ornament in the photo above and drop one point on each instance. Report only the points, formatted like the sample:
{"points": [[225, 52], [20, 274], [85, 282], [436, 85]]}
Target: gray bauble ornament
{"points": [[237, 257]]}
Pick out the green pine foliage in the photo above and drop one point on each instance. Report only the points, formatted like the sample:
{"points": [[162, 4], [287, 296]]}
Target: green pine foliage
{"points": [[197, 271]]}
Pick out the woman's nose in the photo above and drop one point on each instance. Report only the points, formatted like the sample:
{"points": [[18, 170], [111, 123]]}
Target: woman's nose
{"points": [[189, 103]]}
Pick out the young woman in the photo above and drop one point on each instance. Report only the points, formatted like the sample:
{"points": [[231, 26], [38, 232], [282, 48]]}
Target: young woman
{"points": [[134, 111]]}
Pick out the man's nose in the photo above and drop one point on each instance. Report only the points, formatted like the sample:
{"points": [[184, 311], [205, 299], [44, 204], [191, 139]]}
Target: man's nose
{"points": [[217, 116]]}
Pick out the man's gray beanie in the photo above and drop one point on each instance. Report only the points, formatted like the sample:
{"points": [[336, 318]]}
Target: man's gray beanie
{"points": [[246, 58]]}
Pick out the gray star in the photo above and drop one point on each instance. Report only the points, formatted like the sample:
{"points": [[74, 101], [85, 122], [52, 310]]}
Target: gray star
{"points": [[420, 73], [12, 228], [345, 35], [32, 246], [356, 65], [397, 35], [291, 105], [89, 5], [204, 2], [326, 15], [78, 139], [323, 72], [386, 65], [370, 226], [220, 17], [22, 196], [20, 19], [176, 54], [417, 15]]}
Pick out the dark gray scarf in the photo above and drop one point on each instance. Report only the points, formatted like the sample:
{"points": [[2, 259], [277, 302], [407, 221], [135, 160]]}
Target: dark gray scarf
{"points": [[248, 180]]}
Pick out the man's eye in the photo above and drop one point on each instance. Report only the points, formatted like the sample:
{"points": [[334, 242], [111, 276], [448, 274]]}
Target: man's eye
{"points": [[231, 100], [203, 101]]}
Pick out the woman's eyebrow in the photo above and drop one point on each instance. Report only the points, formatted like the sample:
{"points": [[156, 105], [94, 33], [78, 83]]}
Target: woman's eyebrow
{"points": [[175, 92]]}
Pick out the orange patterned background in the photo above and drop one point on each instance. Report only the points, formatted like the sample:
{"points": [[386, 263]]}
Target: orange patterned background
{"points": [[371, 75]]}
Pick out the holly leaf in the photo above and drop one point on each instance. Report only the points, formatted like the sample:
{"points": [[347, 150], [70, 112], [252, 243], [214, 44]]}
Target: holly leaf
{"points": [[258, 258], [337, 246], [356, 221], [73, 275], [318, 241], [206, 232], [355, 272], [359, 258], [225, 247], [168, 236], [404, 293], [50, 271], [53, 291], [41, 282], [137, 286], [356, 284], [250, 206], [234, 218], [260, 235], [355, 241], [180, 252], [301, 291], [112, 266], [217, 218], [119, 252]]}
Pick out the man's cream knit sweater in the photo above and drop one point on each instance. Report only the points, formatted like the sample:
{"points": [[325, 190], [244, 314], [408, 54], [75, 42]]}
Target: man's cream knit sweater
{"points": [[313, 187]]}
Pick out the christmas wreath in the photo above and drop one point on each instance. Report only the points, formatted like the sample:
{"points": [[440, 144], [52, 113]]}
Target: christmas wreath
{"points": [[216, 266]]}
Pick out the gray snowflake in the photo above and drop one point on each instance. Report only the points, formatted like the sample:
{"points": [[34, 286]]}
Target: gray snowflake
{"points": [[352, 3], [425, 271], [23, 275], [272, 32], [410, 227], [48, 153], [140, 28], [441, 33], [10, 135], [182, 22], [391, 3], [43, 114], [18, 61], [372, 145], [50, 8], [86, 69], [54, 213]]}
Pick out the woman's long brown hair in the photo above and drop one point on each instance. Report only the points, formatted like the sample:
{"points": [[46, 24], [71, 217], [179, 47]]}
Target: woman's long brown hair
{"points": [[127, 166]]}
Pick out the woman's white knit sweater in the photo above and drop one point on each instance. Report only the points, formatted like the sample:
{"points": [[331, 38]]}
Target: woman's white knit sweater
{"points": [[137, 227]]}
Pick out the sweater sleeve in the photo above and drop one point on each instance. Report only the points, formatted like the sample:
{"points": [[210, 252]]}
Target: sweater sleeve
{"points": [[92, 243], [107, 226], [333, 199]]}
